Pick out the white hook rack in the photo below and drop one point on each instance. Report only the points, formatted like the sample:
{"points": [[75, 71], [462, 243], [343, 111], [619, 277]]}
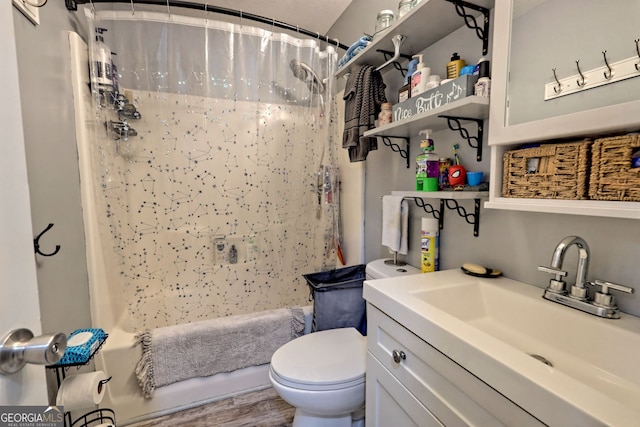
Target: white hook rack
{"points": [[615, 72]]}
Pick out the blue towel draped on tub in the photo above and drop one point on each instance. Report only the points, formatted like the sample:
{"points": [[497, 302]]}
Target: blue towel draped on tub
{"points": [[176, 353]]}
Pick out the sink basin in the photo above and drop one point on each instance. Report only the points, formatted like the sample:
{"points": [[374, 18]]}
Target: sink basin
{"points": [[561, 365]]}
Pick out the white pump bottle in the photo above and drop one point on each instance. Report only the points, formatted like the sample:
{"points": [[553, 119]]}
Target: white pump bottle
{"points": [[420, 77]]}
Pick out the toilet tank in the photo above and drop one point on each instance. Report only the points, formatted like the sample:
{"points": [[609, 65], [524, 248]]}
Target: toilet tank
{"points": [[378, 269]]}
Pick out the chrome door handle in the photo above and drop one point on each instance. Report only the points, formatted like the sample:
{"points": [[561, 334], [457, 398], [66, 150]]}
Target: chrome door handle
{"points": [[20, 347]]}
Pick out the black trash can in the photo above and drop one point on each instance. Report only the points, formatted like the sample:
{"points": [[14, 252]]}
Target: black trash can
{"points": [[337, 299]]}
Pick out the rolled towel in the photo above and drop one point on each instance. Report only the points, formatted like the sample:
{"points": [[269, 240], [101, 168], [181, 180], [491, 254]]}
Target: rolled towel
{"points": [[354, 49], [395, 224]]}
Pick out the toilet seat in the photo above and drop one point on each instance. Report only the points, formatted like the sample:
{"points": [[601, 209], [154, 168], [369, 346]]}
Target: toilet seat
{"points": [[324, 360]]}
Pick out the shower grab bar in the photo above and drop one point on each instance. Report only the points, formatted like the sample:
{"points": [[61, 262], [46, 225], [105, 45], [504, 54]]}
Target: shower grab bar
{"points": [[72, 5]]}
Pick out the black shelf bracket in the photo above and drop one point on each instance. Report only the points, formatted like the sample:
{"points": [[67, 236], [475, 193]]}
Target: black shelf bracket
{"points": [[471, 218], [470, 21], [473, 141], [428, 208], [404, 152]]}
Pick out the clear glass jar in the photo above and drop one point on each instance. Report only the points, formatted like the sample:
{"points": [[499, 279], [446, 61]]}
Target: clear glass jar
{"points": [[385, 20], [405, 6]]}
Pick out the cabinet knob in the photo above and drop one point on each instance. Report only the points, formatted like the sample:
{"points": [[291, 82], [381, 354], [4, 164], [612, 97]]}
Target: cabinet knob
{"points": [[399, 356]]}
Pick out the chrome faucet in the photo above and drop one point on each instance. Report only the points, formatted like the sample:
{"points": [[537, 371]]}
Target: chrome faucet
{"points": [[578, 290], [602, 305]]}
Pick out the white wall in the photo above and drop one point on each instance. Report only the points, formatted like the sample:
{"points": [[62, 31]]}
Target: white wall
{"points": [[514, 242], [49, 130]]}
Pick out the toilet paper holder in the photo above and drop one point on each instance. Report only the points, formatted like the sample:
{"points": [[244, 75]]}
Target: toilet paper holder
{"points": [[19, 347]]}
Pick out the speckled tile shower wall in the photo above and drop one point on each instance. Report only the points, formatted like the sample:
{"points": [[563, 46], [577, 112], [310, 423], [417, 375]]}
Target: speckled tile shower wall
{"points": [[201, 168]]}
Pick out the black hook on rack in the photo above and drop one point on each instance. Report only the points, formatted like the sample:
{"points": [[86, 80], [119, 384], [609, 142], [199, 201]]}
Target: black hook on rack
{"points": [[36, 242], [582, 82], [557, 89], [607, 74]]}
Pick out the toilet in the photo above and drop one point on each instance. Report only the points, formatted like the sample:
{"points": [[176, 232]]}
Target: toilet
{"points": [[384, 268], [322, 374]]}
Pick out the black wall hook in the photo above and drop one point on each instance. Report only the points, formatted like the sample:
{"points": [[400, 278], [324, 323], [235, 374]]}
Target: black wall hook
{"points": [[558, 88], [36, 242], [607, 74], [581, 82]]}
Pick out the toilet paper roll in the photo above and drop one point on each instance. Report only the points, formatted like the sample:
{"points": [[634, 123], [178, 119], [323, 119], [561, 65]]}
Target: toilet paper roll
{"points": [[81, 391]]}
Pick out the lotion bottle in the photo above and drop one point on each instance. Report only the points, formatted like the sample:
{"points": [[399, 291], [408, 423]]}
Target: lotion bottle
{"points": [[419, 77]]}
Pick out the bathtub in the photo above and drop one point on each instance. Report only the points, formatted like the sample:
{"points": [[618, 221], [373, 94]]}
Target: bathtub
{"points": [[119, 355]]}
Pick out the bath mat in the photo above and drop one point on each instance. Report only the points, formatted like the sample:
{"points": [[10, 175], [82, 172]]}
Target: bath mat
{"points": [[176, 353]]}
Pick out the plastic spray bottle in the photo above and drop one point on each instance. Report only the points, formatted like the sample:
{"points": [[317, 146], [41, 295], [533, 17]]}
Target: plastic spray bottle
{"points": [[427, 164]]}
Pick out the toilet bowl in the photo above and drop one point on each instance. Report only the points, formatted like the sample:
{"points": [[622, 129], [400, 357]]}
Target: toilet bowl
{"points": [[322, 375]]}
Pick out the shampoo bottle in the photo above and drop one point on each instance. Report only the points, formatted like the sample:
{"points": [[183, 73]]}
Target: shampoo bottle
{"points": [[102, 76], [429, 245], [454, 66], [427, 164], [419, 77]]}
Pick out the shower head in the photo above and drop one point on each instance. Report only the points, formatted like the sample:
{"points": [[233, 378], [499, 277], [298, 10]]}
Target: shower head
{"points": [[305, 73]]}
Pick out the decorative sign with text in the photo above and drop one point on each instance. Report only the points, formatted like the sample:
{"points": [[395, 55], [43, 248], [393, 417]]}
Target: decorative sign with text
{"points": [[434, 98]]}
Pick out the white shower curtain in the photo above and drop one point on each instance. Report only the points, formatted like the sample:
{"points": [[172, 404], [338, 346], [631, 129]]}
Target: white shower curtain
{"points": [[215, 202]]}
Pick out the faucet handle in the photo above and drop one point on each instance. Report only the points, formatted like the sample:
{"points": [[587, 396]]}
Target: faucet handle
{"points": [[556, 284], [603, 298], [559, 273]]}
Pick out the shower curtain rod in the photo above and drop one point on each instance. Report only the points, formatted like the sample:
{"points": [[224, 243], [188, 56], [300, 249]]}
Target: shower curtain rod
{"points": [[73, 5]]}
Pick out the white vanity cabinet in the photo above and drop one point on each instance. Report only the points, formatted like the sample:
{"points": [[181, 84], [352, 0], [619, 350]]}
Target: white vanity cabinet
{"points": [[518, 112], [411, 383]]}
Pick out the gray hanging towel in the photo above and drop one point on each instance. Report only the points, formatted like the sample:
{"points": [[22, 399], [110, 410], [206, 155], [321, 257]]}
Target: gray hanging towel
{"points": [[363, 96]]}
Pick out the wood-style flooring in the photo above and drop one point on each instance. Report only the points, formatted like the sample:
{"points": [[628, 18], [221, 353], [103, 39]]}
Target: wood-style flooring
{"points": [[263, 408]]}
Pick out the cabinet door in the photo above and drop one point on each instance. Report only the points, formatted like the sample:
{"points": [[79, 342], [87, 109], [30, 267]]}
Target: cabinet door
{"points": [[453, 394], [389, 403]]}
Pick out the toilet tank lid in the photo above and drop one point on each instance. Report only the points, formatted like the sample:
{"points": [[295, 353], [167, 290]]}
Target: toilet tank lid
{"points": [[379, 270], [333, 356]]}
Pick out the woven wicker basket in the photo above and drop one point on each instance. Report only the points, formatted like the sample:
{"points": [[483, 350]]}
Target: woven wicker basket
{"points": [[612, 177], [550, 171]]}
